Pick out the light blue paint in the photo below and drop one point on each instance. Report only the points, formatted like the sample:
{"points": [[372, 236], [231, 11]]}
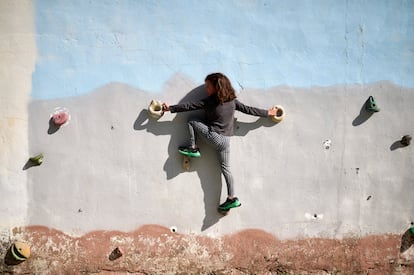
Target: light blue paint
{"points": [[83, 45]]}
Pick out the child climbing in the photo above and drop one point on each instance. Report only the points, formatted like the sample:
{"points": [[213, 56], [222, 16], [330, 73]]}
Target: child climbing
{"points": [[217, 127]]}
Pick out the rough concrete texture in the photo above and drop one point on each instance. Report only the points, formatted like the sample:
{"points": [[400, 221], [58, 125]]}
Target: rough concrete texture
{"points": [[154, 249], [112, 176], [113, 168], [17, 61]]}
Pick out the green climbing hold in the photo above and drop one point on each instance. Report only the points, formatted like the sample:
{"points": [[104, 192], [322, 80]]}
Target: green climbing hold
{"points": [[371, 105], [412, 230], [37, 160]]}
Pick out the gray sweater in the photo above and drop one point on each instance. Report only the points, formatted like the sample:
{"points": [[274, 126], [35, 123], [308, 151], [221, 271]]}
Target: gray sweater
{"points": [[219, 117]]}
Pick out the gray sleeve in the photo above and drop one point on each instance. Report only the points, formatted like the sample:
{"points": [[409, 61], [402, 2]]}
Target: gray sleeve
{"points": [[250, 110], [187, 106]]}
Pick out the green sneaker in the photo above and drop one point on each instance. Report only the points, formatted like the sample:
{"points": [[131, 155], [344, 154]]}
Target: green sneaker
{"points": [[229, 203], [189, 152]]}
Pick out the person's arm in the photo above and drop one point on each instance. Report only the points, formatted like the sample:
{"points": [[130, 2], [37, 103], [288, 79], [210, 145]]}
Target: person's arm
{"points": [[184, 107], [254, 111]]}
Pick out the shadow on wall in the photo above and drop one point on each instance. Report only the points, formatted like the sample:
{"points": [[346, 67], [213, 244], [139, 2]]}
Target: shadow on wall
{"points": [[209, 174], [363, 116], [407, 240]]}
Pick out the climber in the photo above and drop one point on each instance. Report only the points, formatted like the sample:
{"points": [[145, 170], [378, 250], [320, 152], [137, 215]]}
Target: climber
{"points": [[216, 129]]}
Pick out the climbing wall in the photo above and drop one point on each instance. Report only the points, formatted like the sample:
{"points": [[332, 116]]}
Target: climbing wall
{"points": [[91, 182]]}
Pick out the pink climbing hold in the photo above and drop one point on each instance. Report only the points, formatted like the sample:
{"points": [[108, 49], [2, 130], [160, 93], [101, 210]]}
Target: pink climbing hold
{"points": [[60, 118]]}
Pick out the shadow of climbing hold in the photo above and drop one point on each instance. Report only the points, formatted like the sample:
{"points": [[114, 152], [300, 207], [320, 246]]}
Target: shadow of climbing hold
{"points": [[371, 105], [53, 128], [407, 239], [34, 161], [365, 113], [155, 109], [115, 254], [404, 142], [17, 253]]}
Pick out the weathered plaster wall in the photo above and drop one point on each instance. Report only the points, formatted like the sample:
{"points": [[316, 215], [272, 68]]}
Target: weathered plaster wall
{"points": [[112, 169], [17, 62]]}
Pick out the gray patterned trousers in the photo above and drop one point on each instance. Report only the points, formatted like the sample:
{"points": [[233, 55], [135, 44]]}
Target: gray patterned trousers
{"points": [[220, 143]]}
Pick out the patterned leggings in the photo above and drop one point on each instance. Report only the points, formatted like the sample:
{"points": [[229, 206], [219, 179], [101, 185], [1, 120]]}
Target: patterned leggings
{"points": [[222, 146]]}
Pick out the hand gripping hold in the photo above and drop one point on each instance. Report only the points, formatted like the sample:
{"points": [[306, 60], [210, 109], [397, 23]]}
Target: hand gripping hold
{"points": [[155, 109], [280, 114]]}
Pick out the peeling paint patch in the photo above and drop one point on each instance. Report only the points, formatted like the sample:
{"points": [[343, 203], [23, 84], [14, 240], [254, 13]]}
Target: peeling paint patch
{"points": [[153, 249]]}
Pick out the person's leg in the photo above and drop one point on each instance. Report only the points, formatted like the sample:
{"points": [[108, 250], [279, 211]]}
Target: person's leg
{"points": [[222, 145], [194, 126], [199, 128], [224, 158]]}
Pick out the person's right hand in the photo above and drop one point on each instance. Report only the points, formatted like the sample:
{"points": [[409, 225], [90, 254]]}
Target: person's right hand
{"points": [[165, 107], [272, 111]]}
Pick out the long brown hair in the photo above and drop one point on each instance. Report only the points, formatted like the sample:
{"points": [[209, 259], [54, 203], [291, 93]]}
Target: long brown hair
{"points": [[225, 92]]}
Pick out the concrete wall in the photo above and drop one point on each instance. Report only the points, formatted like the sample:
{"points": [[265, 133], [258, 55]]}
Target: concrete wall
{"points": [[114, 168]]}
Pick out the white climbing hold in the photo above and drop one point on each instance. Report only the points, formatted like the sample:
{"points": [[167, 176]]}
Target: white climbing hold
{"points": [[155, 109], [280, 114], [327, 144]]}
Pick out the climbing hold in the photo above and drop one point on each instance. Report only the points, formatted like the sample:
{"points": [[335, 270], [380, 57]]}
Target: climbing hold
{"points": [[155, 109], [280, 114], [20, 251], [37, 160], [406, 140], [115, 254], [412, 230], [371, 105], [60, 116], [327, 144], [186, 163]]}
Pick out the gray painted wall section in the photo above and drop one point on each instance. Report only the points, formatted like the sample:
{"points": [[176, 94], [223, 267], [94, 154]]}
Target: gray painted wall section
{"points": [[113, 168]]}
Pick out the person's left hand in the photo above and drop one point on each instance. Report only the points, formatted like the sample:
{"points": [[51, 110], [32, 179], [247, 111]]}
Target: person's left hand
{"points": [[165, 107], [272, 111]]}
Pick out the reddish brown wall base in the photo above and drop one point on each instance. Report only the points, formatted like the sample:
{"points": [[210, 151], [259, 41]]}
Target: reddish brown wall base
{"points": [[155, 249]]}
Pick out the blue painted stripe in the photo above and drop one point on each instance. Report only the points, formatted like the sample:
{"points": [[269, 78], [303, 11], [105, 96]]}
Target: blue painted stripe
{"points": [[83, 45]]}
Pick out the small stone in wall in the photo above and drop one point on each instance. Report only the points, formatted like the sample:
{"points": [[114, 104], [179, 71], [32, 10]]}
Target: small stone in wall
{"points": [[115, 254]]}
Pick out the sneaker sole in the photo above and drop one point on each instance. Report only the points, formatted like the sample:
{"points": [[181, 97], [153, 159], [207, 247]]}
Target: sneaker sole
{"points": [[229, 207], [192, 155]]}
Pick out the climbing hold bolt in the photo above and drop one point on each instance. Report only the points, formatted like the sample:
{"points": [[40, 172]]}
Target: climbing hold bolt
{"points": [[280, 114], [115, 254], [20, 251], [155, 109], [371, 105], [406, 140], [37, 160]]}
